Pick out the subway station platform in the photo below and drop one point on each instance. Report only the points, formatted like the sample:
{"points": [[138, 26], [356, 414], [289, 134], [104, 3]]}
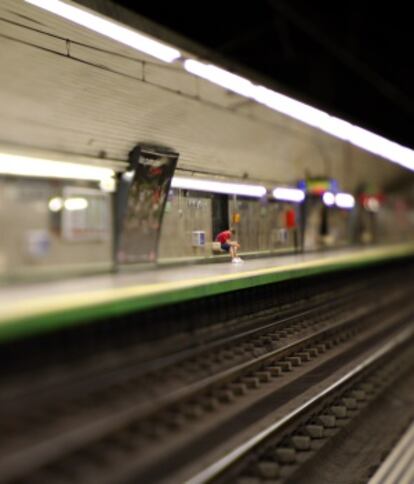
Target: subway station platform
{"points": [[31, 308], [398, 467]]}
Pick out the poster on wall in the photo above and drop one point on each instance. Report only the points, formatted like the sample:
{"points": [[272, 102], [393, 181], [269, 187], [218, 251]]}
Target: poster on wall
{"points": [[143, 192]]}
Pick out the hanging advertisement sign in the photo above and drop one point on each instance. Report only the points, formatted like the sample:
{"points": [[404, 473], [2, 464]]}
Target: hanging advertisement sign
{"points": [[143, 192]]}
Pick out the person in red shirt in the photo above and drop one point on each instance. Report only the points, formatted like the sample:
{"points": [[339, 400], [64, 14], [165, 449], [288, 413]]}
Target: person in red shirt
{"points": [[229, 245]]}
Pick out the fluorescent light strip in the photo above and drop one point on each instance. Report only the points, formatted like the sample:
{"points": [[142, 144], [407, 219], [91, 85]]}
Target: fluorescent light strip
{"points": [[55, 204], [341, 200], [289, 194], [306, 114], [75, 203], [221, 77], [290, 107], [41, 168], [344, 200], [109, 29], [328, 199], [218, 187]]}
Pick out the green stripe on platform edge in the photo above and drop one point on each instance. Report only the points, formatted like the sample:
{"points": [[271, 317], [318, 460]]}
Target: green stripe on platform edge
{"points": [[31, 325]]}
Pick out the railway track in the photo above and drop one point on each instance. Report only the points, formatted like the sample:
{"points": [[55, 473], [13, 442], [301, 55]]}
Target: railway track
{"points": [[148, 426], [281, 451], [247, 333]]}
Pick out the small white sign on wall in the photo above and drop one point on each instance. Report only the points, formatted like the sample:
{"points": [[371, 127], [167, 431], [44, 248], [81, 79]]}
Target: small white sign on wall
{"points": [[198, 238]]}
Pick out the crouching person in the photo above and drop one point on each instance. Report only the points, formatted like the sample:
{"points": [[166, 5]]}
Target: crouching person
{"points": [[228, 244]]}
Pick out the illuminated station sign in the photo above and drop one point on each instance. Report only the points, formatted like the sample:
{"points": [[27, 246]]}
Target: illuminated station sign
{"points": [[318, 186]]}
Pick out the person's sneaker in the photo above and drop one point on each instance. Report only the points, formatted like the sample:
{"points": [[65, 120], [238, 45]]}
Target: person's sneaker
{"points": [[237, 260]]}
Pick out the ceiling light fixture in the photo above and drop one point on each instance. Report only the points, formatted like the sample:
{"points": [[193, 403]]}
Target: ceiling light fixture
{"points": [[17, 165], [213, 186], [75, 203], [110, 29], [289, 194], [328, 199], [344, 200], [221, 77], [55, 204]]}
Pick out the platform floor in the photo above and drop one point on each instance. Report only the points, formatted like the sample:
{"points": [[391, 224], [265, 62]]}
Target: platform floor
{"points": [[398, 467], [36, 307]]}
